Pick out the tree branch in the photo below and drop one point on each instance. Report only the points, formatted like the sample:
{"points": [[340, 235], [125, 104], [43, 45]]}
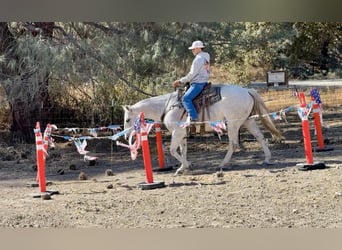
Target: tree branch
{"points": [[97, 57]]}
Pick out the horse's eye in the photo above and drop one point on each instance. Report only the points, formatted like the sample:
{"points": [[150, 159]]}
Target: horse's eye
{"points": [[128, 120]]}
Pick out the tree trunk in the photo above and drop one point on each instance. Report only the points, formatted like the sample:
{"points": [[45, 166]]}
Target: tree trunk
{"points": [[24, 113]]}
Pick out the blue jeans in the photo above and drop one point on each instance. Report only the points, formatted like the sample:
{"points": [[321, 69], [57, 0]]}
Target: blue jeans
{"points": [[189, 96]]}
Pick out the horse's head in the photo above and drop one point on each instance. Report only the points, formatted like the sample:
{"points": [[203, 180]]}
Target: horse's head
{"points": [[129, 117]]}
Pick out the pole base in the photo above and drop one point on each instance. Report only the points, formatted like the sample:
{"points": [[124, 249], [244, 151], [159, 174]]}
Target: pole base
{"points": [[322, 149], [35, 184], [48, 192], [307, 166], [154, 185]]}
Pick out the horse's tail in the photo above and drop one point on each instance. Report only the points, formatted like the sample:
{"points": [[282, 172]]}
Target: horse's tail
{"points": [[261, 110]]}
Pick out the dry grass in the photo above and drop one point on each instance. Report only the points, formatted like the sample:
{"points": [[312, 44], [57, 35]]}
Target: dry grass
{"points": [[277, 99]]}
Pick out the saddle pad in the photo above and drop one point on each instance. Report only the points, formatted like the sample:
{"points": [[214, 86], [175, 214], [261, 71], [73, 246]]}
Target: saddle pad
{"points": [[208, 96]]}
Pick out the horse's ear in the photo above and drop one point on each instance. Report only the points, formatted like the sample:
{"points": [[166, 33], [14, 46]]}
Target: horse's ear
{"points": [[125, 108]]}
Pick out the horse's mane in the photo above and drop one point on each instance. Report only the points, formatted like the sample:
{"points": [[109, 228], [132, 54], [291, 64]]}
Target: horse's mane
{"points": [[154, 107], [153, 99]]}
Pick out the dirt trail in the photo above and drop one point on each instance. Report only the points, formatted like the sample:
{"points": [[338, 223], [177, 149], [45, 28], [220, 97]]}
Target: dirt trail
{"points": [[248, 195]]}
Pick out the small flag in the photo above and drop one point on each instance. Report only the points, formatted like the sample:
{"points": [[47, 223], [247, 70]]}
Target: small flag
{"points": [[276, 116], [93, 132], [81, 145], [183, 124], [218, 126]]}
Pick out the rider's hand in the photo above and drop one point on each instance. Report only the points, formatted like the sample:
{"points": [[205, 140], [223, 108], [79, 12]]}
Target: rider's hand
{"points": [[176, 83]]}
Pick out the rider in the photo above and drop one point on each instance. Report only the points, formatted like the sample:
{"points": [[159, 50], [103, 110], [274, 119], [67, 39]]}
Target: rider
{"points": [[198, 77]]}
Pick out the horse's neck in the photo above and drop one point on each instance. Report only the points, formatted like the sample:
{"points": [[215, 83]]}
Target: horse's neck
{"points": [[152, 108]]}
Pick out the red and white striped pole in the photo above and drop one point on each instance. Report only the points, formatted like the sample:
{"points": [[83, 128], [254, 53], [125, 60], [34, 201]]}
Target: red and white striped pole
{"points": [[40, 159], [304, 113], [305, 129], [45, 143], [318, 126], [146, 150], [150, 184], [318, 129], [160, 150]]}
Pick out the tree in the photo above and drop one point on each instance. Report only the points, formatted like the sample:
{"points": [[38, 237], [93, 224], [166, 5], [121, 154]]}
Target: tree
{"points": [[316, 47], [42, 62], [24, 76], [48, 69]]}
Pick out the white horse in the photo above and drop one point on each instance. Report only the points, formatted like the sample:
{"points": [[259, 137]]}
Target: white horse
{"points": [[236, 107]]}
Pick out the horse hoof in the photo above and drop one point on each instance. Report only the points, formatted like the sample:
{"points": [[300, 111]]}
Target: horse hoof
{"points": [[178, 172], [224, 168], [181, 171]]}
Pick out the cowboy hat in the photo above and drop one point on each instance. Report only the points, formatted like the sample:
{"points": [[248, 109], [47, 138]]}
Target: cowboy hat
{"points": [[196, 44]]}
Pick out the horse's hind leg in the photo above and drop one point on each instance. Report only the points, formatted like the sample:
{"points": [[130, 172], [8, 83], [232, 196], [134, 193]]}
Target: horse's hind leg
{"points": [[253, 128], [233, 135]]}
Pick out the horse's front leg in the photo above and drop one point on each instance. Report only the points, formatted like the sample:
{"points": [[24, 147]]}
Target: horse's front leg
{"points": [[183, 148], [178, 140]]}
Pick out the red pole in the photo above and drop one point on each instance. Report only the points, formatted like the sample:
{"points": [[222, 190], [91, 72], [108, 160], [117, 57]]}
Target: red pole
{"points": [[146, 150], [159, 141], [40, 159], [318, 126], [45, 143], [306, 130]]}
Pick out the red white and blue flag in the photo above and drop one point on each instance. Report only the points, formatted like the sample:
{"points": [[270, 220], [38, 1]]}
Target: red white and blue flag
{"points": [[218, 126]]}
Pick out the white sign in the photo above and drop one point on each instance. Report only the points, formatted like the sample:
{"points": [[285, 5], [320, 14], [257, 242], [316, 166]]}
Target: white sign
{"points": [[276, 77]]}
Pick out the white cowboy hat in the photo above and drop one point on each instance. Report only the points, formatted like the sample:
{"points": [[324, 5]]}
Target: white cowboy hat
{"points": [[196, 44]]}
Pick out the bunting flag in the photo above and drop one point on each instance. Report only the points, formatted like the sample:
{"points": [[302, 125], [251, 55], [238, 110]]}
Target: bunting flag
{"points": [[148, 126], [93, 132], [295, 92], [276, 116], [81, 145], [113, 127], [183, 124], [283, 112], [48, 130], [315, 96], [218, 126], [304, 112], [288, 109], [74, 130], [47, 139], [90, 158], [117, 135], [137, 124], [133, 147]]}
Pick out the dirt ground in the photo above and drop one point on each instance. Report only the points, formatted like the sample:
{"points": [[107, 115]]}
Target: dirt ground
{"points": [[246, 195]]}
